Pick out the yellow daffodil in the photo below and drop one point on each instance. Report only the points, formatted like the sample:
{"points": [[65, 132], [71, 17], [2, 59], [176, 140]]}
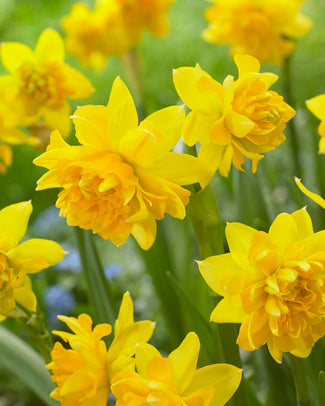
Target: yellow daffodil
{"points": [[314, 196], [19, 260], [39, 82], [123, 177], [175, 381], [240, 118], [265, 29], [273, 284], [317, 106], [83, 373], [112, 28]]}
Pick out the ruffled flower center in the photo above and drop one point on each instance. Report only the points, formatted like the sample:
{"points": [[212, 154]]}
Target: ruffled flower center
{"points": [[41, 85], [9, 279]]}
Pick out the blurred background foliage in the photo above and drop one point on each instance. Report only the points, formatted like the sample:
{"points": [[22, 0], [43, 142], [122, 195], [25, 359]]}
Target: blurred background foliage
{"points": [[251, 199]]}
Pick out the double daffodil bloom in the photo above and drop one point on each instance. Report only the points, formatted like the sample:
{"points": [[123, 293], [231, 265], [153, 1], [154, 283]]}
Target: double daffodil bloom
{"points": [[123, 177], [83, 373], [240, 118], [175, 381], [273, 284], [112, 28], [39, 82], [265, 29], [19, 260], [317, 106]]}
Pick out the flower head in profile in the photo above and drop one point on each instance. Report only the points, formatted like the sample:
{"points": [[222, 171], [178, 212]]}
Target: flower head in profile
{"points": [[175, 380], [265, 29], [19, 260], [317, 106], [123, 177], [39, 82], [83, 373], [273, 284], [112, 28], [240, 118]]}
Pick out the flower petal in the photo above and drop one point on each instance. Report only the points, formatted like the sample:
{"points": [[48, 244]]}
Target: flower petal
{"points": [[184, 359], [144, 353], [246, 64], [25, 296], [145, 232], [239, 238], [317, 106], [15, 54], [226, 312], [58, 119], [224, 378], [197, 126], [50, 47], [13, 223], [80, 85], [283, 231], [314, 196]]}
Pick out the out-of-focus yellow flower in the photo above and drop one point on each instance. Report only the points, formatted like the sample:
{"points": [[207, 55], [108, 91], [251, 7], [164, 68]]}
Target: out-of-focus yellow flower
{"points": [[123, 177], [17, 261], [273, 283], [240, 118], [39, 82], [314, 196], [112, 28], [175, 380], [317, 106], [83, 373], [265, 29]]}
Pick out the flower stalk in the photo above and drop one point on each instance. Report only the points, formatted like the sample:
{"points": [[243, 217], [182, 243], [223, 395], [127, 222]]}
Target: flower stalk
{"points": [[300, 380]]}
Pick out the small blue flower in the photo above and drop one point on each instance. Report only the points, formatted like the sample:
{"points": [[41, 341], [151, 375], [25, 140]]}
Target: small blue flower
{"points": [[112, 270], [70, 262], [58, 301]]}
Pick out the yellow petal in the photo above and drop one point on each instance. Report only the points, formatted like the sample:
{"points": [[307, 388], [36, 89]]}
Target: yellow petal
{"points": [[314, 196], [125, 315], [317, 106], [226, 312], [275, 352], [58, 119], [38, 254], [50, 47], [13, 222], [283, 231], [184, 359], [79, 86], [238, 124], [181, 169], [14, 54], [25, 296], [303, 222], [197, 126], [224, 378], [196, 97], [166, 125], [246, 64], [144, 353], [239, 238], [219, 134], [92, 127], [145, 232], [122, 112], [160, 370], [213, 270]]}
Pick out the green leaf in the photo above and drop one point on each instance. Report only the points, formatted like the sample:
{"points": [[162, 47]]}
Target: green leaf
{"points": [[21, 360], [321, 390]]}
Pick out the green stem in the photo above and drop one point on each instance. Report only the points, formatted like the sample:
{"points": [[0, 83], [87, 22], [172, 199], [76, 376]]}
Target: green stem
{"points": [[300, 380], [321, 388], [98, 289], [293, 140]]}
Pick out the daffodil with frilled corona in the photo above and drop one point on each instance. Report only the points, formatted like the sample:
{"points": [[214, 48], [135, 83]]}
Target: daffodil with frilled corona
{"points": [[273, 284], [112, 28], [39, 82], [237, 119], [265, 29], [317, 106], [175, 380], [123, 177], [18, 260], [83, 373]]}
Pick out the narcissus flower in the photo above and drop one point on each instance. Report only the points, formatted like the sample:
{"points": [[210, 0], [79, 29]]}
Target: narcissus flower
{"points": [[240, 118], [314, 196], [112, 28], [39, 82], [175, 380], [84, 372], [265, 29], [123, 177], [317, 106], [273, 284], [19, 260]]}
